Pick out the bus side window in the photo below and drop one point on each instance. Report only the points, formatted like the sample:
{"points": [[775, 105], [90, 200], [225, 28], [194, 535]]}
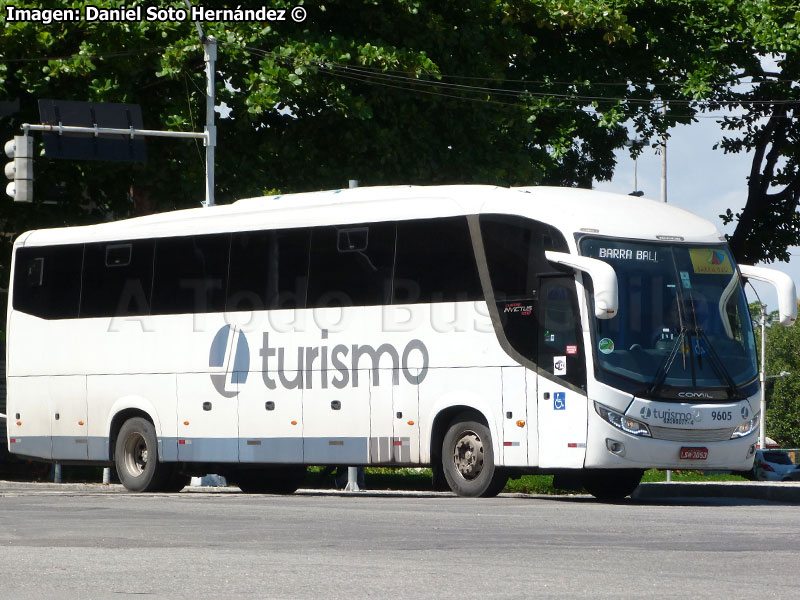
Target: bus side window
{"points": [[268, 269], [435, 262], [560, 342], [117, 279], [191, 274], [515, 258], [351, 265], [47, 281]]}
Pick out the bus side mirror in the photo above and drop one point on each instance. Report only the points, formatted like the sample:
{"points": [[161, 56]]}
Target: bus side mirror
{"points": [[604, 280], [783, 284]]}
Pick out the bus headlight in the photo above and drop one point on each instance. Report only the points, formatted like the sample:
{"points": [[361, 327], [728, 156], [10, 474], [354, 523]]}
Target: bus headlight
{"points": [[621, 422], [747, 427]]}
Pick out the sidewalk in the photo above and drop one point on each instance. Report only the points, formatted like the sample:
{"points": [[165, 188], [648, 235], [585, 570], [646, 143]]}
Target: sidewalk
{"points": [[774, 491]]}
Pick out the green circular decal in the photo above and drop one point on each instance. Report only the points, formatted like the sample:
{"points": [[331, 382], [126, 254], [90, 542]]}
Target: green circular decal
{"points": [[606, 346]]}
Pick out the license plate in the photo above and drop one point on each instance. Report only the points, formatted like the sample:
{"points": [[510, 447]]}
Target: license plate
{"points": [[694, 453]]}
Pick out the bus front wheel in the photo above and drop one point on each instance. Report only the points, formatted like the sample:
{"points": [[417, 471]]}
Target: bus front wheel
{"points": [[468, 460], [136, 458]]}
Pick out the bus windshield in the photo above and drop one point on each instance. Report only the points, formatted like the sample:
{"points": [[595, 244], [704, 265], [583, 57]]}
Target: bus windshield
{"points": [[683, 321]]}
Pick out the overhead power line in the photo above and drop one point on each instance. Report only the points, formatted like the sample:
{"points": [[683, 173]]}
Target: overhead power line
{"points": [[445, 86], [627, 83], [378, 72], [403, 81], [120, 54]]}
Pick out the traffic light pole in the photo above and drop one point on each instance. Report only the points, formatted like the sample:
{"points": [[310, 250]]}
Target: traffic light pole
{"points": [[132, 131], [207, 136], [210, 140], [21, 170]]}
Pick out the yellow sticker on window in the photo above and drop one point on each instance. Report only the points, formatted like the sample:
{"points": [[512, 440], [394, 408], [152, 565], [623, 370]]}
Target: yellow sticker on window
{"points": [[708, 261]]}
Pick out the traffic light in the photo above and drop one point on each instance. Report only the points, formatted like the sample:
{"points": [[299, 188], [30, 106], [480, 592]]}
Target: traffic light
{"points": [[20, 169]]}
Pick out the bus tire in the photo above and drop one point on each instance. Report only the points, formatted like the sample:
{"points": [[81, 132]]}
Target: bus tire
{"points": [[136, 457], [270, 480], [611, 485], [468, 460]]}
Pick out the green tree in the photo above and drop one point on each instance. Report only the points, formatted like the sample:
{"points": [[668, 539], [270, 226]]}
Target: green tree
{"points": [[783, 393], [509, 92], [401, 92], [760, 44]]}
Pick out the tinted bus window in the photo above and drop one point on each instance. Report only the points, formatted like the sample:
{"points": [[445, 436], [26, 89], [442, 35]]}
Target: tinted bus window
{"points": [[515, 250], [47, 281], [515, 259], [268, 270], [560, 350], [117, 278], [435, 262], [190, 274], [351, 265]]}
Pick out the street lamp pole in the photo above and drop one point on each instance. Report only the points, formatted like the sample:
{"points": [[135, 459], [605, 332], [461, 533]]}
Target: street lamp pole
{"points": [[664, 157], [762, 426]]}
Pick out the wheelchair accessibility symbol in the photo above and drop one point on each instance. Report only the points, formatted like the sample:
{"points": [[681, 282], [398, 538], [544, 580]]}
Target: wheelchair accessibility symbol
{"points": [[559, 401]]}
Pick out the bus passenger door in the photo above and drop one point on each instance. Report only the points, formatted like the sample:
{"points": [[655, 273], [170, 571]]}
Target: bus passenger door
{"points": [[561, 382], [515, 417], [68, 414]]}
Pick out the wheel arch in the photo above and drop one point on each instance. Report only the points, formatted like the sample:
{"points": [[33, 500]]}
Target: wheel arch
{"points": [[117, 418], [442, 421]]}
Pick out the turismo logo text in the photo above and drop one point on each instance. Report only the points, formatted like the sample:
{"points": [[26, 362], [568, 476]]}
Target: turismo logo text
{"points": [[337, 366]]}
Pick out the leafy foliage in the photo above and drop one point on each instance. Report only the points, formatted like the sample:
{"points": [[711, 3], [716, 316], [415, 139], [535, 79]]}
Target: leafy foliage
{"points": [[408, 91], [507, 92], [783, 393], [756, 46]]}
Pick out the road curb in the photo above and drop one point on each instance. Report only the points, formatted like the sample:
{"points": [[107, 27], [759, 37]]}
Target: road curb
{"points": [[770, 491]]}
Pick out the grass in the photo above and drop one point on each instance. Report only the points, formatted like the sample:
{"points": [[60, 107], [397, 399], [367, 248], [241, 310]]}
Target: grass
{"points": [[654, 475], [410, 479]]}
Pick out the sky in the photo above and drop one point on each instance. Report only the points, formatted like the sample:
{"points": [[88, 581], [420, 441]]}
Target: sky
{"points": [[699, 179]]}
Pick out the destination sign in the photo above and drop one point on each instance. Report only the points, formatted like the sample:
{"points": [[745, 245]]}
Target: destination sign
{"points": [[628, 254]]}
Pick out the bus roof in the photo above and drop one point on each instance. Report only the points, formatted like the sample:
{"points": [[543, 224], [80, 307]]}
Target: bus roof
{"points": [[570, 210]]}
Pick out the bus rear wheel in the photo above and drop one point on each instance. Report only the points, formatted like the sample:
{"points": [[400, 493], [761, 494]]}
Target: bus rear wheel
{"points": [[611, 484], [136, 458], [468, 460]]}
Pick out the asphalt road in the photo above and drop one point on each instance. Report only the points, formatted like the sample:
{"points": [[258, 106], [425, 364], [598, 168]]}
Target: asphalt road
{"points": [[83, 541]]}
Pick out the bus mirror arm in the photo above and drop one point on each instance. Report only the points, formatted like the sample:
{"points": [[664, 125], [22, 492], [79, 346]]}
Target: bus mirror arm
{"points": [[784, 286], [604, 280]]}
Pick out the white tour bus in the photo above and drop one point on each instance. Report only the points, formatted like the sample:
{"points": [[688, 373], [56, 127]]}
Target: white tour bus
{"points": [[486, 332]]}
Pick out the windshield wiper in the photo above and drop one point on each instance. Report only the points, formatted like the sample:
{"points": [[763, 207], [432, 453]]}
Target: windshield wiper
{"points": [[717, 364], [666, 364]]}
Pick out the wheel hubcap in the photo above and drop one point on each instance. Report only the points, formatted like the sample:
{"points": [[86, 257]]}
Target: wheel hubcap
{"points": [[468, 455], [135, 455]]}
